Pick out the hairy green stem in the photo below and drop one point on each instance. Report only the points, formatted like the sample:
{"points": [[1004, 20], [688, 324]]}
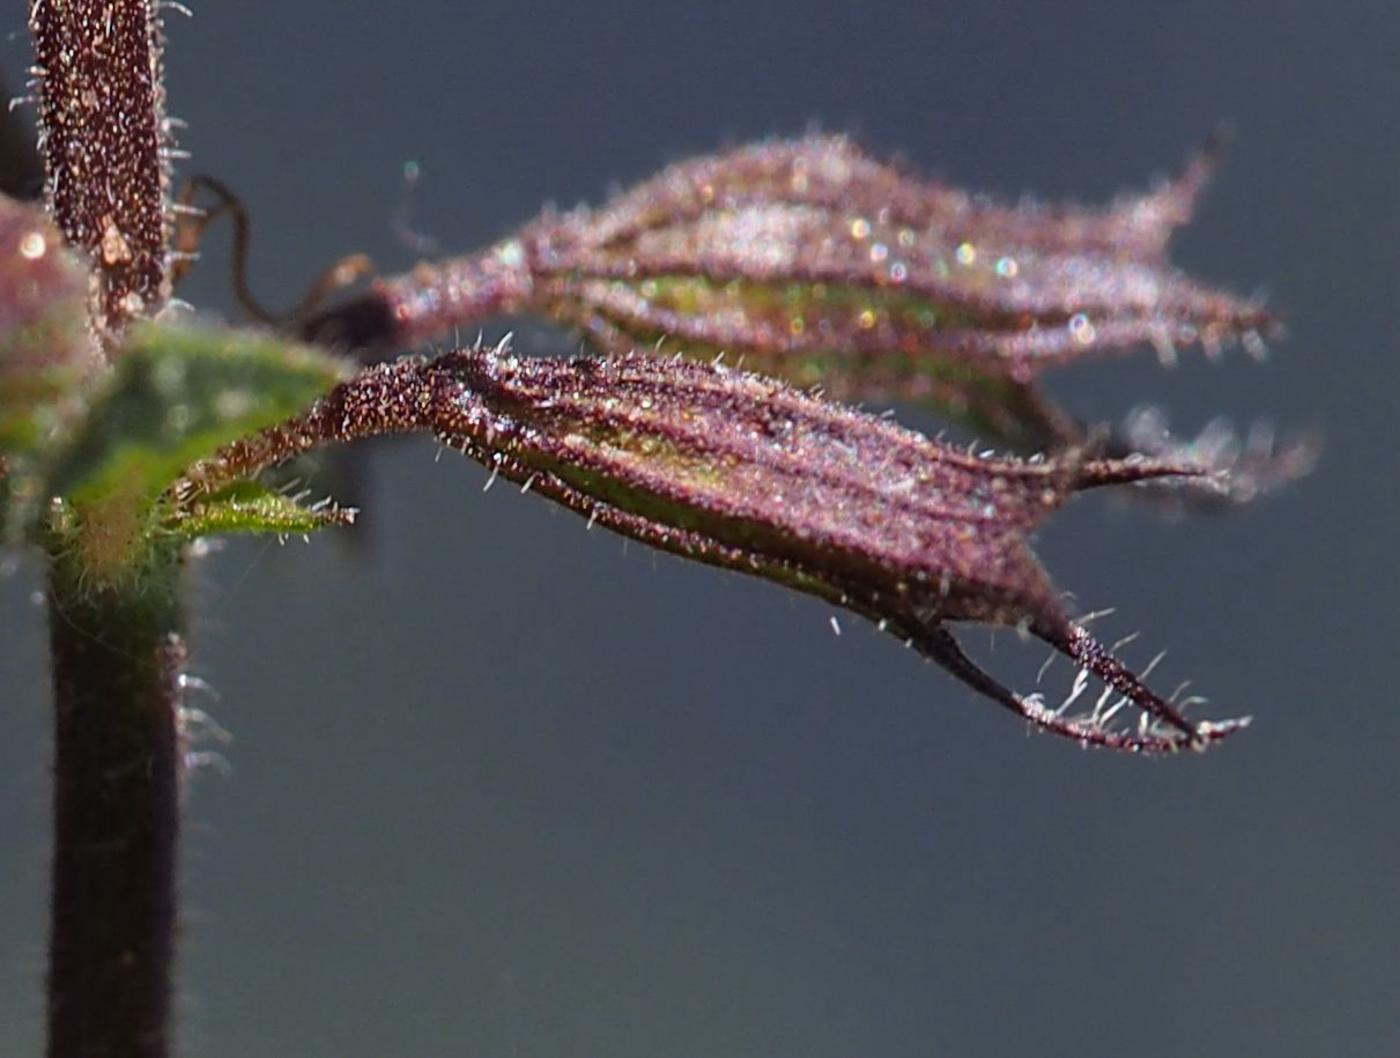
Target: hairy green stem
{"points": [[117, 654]]}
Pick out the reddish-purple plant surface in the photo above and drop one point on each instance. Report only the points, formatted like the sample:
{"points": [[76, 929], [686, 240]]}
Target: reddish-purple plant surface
{"points": [[733, 300], [811, 262], [742, 472]]}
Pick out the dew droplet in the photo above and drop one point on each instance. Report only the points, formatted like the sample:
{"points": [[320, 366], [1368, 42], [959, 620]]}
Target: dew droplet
{"points": [[1082, 330], [33, 245]]}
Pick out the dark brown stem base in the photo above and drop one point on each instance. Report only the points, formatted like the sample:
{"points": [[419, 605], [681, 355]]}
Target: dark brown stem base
{"points": [[117, 656]]}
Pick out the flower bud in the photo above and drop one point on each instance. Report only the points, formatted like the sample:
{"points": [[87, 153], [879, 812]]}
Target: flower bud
{"points": [[739, 471], [809, 261], [746, 473]]}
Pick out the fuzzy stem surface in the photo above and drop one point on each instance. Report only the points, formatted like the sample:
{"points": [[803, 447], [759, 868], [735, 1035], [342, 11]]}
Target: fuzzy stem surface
{"points": [[105, 140], [117, 654]]}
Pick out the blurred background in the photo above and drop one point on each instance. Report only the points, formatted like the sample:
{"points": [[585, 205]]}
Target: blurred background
{"points": [[504, 788]]}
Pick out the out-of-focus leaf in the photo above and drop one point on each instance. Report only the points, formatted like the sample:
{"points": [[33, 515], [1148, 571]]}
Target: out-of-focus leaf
{"points": [[46, 350], [746, 473], [249, 507], [48, 356], [175, 396]]}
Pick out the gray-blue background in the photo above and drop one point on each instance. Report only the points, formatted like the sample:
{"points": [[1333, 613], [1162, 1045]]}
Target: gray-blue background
{"points": [[512, 790]]}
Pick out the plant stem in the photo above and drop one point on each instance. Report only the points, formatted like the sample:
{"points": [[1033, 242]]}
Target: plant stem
{"points": [[105, 142], [117, 655]]}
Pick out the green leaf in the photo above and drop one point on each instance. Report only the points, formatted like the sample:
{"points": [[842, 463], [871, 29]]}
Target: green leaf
{"points": [[177, 396], [250, 507]]}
